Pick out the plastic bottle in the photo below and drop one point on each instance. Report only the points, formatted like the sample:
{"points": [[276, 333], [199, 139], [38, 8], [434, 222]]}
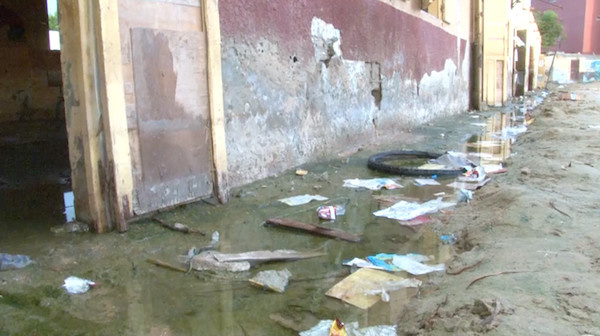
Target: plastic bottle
{"points": [[13, 261]]}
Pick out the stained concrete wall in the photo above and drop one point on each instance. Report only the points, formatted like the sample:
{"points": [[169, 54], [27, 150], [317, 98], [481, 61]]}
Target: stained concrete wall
{"points": [[29, 72], [304, 80]]}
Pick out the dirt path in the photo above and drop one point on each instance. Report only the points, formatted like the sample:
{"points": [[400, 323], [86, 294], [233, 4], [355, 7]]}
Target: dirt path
{"points": [[536, 230]]}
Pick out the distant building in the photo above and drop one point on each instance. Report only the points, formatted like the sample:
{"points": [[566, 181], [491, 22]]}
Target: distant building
{"points": [[581, 19]]}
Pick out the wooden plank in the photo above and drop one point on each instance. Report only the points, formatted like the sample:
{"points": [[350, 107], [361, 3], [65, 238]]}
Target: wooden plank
{"points": [[265, 256], [83, 113], [314, 229], [118, 180], [215, 94]]}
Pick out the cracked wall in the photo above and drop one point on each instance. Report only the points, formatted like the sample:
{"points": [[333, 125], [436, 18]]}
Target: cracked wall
{"points": [[304, 80]]}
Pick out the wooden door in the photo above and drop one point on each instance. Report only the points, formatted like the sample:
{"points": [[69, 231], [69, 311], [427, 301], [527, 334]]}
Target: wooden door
{"points": [[173, 121], [574, 70]]}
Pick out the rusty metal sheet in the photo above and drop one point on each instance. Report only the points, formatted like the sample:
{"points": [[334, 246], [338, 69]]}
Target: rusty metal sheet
{"points": [[171, 94]]}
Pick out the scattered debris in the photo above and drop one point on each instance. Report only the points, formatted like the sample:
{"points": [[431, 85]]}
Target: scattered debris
{"points": [[411, 263], [492, 169], [75, 285], [513, 132], [302, 199], [273, 280], [389, 200], [314, 229], [449, 239], [526, 171], [301, 172], [362, 263], [330, 211], [414, 267], [354, 288], [464, 196], [324, 327], [166, 265], [493, 274], [265, 256], [419, 220], [337, 328], [569, 96], [468, 185], [453, 160], [426, 182], [407, 210], [473, 174], [178, 227], [206, 261], [13, 261], [557, 209], [457, 272], [372, 184]]}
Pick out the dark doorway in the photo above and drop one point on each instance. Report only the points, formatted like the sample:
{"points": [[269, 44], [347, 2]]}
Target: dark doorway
{"points": [[34, 169], [575, 70]]}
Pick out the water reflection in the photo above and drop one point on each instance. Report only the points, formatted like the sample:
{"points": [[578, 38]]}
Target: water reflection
{"points": [[491, 148]]}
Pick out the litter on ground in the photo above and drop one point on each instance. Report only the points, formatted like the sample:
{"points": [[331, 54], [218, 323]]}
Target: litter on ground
{"points": [[302, 199], [426, 182], [405, 211], [355, 288], [75, 285], [323, 328], [272, 280], [372, 184]]}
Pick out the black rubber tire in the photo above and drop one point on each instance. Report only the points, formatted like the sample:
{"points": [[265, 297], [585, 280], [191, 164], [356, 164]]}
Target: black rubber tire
{"points": [[377, 163]]}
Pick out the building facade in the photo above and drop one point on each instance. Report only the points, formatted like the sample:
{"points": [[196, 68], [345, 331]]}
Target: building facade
{"points": [[170, 101], [508, 42]]}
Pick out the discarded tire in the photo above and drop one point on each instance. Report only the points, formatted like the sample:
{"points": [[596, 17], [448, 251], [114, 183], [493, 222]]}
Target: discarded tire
{"points": [[379, 162]]}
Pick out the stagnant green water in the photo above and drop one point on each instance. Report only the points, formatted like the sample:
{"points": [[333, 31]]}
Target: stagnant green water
{"points": [[134, 297]]}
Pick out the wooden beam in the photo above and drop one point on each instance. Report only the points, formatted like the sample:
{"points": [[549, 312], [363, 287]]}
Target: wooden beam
{"points": [[215, 94], [95, 112], [82, 114], [314, 229], [118, 179]]}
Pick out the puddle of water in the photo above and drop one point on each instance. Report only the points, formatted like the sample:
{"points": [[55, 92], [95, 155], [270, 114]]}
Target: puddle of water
{"points": [[139, 298]]}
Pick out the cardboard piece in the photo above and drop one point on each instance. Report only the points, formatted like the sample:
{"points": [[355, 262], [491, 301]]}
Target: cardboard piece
{"points": [[354, 288]]}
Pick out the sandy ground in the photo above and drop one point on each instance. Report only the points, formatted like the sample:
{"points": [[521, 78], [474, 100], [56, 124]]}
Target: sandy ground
{"points": [[534, 230]]}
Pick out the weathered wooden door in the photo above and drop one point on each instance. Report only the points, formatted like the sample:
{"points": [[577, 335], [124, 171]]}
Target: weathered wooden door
{"points": [[173, 120]]}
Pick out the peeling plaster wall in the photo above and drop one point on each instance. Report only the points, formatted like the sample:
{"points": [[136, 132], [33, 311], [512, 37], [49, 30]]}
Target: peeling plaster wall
{"points": [[304, 80]]}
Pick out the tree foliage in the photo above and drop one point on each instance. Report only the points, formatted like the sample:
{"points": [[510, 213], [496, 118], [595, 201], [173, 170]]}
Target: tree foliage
{"points": [[550, 27], [53, 21]]}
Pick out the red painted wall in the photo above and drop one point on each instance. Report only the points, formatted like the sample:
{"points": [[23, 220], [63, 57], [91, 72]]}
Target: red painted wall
{"points": [[579, 19], [370, 30]]}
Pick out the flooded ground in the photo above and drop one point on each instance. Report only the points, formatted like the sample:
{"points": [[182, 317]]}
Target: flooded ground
{"points": [[134, 297]]}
